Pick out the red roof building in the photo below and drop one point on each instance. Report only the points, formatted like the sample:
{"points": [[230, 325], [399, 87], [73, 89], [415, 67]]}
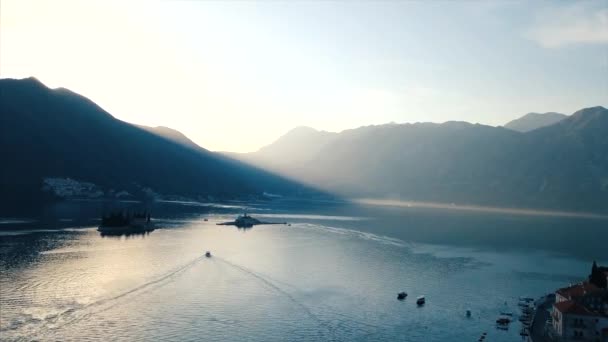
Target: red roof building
{"points": [[580, 313]]}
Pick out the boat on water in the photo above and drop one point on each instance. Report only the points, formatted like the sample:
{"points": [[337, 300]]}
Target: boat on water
{"points": [[503, 320], [401, 295], [246, 221], [125, 223], [420, 300]]}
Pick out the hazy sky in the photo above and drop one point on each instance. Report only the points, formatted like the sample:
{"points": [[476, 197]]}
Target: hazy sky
{"points": [[234, 76]]}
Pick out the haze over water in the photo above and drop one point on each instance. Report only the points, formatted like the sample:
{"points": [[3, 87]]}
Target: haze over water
{"points": [[332, 275]]}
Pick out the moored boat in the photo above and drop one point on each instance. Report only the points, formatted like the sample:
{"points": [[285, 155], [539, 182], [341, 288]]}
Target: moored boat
{"points": [[503, 320]]}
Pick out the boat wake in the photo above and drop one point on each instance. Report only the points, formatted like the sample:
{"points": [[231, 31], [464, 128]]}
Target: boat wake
{"points": [[277, 289], [359, 234], [330, 329], [77, 312]]}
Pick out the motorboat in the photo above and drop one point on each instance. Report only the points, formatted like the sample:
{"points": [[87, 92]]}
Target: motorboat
{"points": [[420, 300], [401, 295]]}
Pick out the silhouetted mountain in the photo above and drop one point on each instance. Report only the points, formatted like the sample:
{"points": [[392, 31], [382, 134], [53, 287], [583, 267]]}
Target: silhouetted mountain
{"points": [[532, 121], [55, 133], [559, 166], [172, 135]]}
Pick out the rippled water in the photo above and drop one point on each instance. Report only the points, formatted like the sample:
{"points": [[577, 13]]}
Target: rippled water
{"points": [[331, 275]]}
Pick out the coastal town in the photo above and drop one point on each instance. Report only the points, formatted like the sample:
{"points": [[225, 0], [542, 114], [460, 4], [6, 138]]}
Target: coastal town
{"points": [[578, 312]]}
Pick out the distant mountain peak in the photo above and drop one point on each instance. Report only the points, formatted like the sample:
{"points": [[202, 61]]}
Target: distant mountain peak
{"points": [[590, 112], [532, 121], [299, 129], [586, 117], [34, 80]]}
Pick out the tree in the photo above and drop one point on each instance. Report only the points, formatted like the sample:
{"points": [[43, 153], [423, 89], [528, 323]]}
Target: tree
{"points": [[597, 277]]}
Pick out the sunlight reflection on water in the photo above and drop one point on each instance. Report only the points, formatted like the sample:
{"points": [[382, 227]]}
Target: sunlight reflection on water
{"points": [[309, 281]]}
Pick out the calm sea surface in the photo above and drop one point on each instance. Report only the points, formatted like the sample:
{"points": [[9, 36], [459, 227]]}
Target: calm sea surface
{"points": [[333, 275]]}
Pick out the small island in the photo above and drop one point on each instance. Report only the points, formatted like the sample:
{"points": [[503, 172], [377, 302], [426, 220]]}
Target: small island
{"points": [[125, 223], [246, 221]]}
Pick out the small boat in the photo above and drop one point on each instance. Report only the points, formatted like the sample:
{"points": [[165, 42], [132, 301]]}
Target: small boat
{"points": [[208, 254], [401, 295], [503, 321], [205, 220], [468, 313], [420, 300]]}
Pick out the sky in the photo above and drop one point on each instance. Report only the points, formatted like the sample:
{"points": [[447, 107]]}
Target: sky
{"points": [[234, 76]]}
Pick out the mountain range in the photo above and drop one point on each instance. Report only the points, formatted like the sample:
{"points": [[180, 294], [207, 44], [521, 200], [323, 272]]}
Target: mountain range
{"points": [[55, 137], [49, 135], [560, 165]]}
